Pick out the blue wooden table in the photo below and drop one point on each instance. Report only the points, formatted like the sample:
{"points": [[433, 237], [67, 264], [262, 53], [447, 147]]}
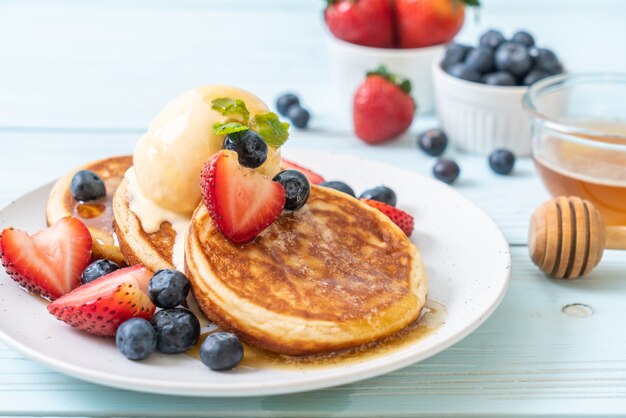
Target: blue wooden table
{"points": [[81, 80]]}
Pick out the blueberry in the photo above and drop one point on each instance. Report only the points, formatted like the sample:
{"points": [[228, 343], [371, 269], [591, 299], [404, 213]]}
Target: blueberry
{"points": [[177, 330], [491, 39], [546, 60], [87, 185], [97, 269], [464, 72], [433, 142], [249, 146], [535, 75], [136, 339], [382, 194], [513, 58], [502, 161], [284, 102], [524, 38], [480, 59], [446, 170], [168, 288], [339, 185], [299, 116], [499, 78], [221, 351], [297, 188], [455, 54]]}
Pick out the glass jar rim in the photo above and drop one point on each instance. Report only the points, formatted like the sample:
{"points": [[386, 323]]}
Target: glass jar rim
{"points": [[564, 81]]}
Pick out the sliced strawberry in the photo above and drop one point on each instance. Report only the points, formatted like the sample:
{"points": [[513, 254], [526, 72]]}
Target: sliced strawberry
{"points": [[397, 216], [49, 262], [241, 201], [313, 177], [100, 306]]}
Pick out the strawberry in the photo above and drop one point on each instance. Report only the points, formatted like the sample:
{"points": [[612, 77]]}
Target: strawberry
{"points": [[241, 201], [100, 306], [397, 216], [362, 22], [49, 262], [383, 107], [421, 23], [313, 177]]}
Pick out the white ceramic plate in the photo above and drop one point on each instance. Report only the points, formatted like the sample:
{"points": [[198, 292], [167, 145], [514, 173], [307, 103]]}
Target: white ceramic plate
{"points": [[467, 260]]}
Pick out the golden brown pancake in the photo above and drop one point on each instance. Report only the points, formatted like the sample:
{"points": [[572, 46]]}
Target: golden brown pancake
{"points": [[332, 275], [153, 250], [96, 215]]}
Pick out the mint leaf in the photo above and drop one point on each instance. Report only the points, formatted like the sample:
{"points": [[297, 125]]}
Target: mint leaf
{"points": [[228, 107], [228, 128], [272, 130]]}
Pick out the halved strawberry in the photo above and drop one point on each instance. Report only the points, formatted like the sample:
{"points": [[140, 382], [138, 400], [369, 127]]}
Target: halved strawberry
{"points": [[241, 201], [49, 262], [397, 216], [313, 177], [100, 306]]}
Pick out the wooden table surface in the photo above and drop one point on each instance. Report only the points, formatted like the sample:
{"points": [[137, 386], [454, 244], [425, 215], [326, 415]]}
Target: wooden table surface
{"points": [[81, 80]]}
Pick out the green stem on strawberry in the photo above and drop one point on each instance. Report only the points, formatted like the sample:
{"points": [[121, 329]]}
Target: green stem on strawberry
{"points": [[403, 83]]}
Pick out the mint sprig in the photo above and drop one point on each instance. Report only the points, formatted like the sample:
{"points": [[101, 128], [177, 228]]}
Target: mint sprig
{"points": [[230, 107], [272, 130], [228, 128]]}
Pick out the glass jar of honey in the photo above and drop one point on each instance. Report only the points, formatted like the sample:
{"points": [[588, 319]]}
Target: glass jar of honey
{"points": [[578, 125]]}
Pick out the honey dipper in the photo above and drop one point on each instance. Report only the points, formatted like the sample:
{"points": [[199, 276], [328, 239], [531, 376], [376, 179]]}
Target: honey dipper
{"points": [[567, 237]]}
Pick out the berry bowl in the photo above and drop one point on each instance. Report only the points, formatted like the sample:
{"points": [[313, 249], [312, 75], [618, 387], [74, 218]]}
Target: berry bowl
{"points": [[350, 62], [478, 117]]}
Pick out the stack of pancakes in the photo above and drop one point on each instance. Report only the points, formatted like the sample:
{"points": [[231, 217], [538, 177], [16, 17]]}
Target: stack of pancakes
{"points": [[333, 275]]}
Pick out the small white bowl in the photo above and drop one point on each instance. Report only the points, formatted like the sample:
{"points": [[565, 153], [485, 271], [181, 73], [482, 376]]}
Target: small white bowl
{"points": [[480, 118], [349, 63]]}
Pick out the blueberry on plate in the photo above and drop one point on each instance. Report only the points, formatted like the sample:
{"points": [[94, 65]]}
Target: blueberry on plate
{"points": [[168, 288], [250, 148], [499, 78], [534, 76], [446, 170], [523, 38], [298, 116], [339, 185], [502, 161], [480, 59], [463, 72], [221, 351], [491, 39], [513, 58], [136, 339], [433, 142], [546, 60], [97, 269], [284, 102], [455, 54], [87, 185], [381, 194], [297, 188], [177, 330]]}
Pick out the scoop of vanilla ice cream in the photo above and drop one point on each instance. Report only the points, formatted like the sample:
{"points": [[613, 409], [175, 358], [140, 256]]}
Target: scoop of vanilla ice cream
{"points": [[169, 157]]}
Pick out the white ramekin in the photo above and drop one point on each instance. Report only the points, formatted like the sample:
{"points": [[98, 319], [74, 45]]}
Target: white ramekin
{"points": [[350, 62], [480, 118]]}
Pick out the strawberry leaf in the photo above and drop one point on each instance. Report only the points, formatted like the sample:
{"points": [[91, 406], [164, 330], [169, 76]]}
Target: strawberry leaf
{"points": [[229, 107], [228, 128], [402, 83], [272, 130]]}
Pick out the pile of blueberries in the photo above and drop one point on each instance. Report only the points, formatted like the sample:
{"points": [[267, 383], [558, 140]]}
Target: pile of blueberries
{"points": [[434, 142], [173, 329], [501, 62], [288, 105]]}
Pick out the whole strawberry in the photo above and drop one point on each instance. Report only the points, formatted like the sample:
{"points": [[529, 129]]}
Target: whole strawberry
{"points": [[423, 23], [362, 22], [383, 107]]}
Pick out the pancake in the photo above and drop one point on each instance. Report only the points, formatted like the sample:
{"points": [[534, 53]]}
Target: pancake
{"points": [[97, 215], [332, 275], [153, 250]]}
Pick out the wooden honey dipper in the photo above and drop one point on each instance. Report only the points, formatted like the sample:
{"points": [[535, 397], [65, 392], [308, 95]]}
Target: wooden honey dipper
{"points": [[567, 237]]}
